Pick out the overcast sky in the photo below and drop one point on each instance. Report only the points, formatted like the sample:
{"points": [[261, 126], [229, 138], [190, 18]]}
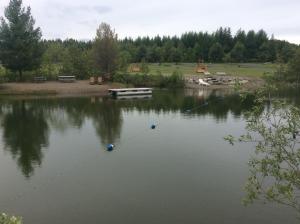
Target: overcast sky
{"points": [[80, 18]]}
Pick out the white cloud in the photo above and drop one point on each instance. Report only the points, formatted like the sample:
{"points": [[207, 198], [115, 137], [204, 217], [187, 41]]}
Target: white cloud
{"points": [[79, 19]]}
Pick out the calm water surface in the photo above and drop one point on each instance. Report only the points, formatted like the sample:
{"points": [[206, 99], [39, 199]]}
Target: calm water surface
{"points": [[54, 167]]}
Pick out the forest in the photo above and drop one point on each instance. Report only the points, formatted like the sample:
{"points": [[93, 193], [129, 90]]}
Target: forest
{"points": [[105, 53], [73, 56]]}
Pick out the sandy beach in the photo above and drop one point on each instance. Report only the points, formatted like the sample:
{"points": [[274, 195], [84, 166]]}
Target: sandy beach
{"points": [[81, 87]]}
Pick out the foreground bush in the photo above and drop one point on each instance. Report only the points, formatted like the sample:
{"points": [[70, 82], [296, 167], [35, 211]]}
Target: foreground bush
{"points": [[5, 219], [149, 80]]}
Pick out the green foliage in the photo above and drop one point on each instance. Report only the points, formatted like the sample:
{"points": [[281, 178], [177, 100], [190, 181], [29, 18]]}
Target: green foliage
{"points": [[288, 72], [20, 42], [2, 71], [176, 79], [190, 47], [21, 49], [285, 51], [75, 62], [5, 219], [216, 53], [144, 67], [280, 73], [105, 50], [293, 72], [274, 171], [237, 54], [124, 60], [148, 80]]}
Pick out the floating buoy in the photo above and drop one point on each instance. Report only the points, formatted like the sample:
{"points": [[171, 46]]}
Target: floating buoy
{"points": [[153, 126], [110, 147]]}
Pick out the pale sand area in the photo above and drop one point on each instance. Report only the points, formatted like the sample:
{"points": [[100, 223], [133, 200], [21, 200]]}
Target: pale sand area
{"points": [[81, 87]]}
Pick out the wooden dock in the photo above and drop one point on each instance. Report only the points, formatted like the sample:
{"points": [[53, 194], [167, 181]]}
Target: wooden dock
{"points": [[130, 91]]}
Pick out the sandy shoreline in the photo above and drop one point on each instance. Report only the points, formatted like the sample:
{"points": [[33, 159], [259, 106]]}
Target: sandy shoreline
{"points": [[81, 87]]}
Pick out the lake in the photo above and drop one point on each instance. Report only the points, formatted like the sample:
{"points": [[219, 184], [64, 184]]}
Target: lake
{"points": [[54, 166]]}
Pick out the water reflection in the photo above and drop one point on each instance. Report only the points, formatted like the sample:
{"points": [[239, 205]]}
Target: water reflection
{"points": [[26, 123], [25, 133], [107, 119]]}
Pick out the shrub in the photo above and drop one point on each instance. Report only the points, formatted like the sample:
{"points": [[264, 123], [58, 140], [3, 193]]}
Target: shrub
{"points": [[5, 219], [145, 80], [2, 71]]}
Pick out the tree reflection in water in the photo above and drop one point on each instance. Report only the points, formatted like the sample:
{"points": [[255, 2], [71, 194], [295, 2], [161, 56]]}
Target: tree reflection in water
{"points": [[26, 123], [25, 133]]}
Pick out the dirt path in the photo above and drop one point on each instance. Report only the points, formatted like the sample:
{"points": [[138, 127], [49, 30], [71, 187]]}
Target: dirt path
{"points": [[57, 88]]}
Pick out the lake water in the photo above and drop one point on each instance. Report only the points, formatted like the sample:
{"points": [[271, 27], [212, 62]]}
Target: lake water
{"points": [[54, 166]]}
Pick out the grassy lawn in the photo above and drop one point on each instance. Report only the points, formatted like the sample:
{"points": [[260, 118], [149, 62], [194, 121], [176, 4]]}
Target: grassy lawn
{"points": [[236, 69]]}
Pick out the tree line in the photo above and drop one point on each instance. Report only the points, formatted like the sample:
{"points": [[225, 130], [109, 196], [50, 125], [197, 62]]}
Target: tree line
{"points": [[22, 48], [219, 46]]}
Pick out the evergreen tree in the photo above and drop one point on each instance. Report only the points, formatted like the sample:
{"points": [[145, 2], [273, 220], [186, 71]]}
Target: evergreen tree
{"points": [[237, 54], [216, 53], [141, 53], [20, 42], [176, 55], [251, 46], [264, 53], [240, 36], [224, 37]]}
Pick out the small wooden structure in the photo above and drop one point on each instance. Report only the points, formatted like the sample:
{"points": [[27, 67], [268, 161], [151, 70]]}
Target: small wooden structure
{"points": [[66, 78], [135, 68], [201, 68], [92, 80], [40, 79], [130, 91], [96, 80]]}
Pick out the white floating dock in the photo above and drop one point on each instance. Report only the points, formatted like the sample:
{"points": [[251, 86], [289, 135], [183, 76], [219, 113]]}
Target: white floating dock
{"points": [[130, 91]]}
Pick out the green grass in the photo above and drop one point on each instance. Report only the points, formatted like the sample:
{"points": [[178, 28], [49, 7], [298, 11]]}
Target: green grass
{"points": [[236, 69]]}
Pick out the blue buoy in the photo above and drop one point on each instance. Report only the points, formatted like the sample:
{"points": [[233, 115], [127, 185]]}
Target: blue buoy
{"points": [[110, 147], [153, 126]]}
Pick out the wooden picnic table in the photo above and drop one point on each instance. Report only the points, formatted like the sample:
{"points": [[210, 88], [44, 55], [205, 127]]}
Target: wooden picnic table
{"points": [[67, 78], [40, 79]]}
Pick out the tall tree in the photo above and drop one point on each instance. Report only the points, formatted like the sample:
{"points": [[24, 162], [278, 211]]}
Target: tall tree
{"points": [[294, 68], [238, 52], [20, 42], [251, 46], [106, 49], [216, 53]]}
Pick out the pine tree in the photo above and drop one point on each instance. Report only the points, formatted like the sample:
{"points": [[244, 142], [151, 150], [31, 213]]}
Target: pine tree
{"points": [[238, 52], [216, 53], [20, 43]]}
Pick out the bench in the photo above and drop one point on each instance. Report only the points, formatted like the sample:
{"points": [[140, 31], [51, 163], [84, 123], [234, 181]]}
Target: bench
{"points": [[40, 79], [66, 78]]}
